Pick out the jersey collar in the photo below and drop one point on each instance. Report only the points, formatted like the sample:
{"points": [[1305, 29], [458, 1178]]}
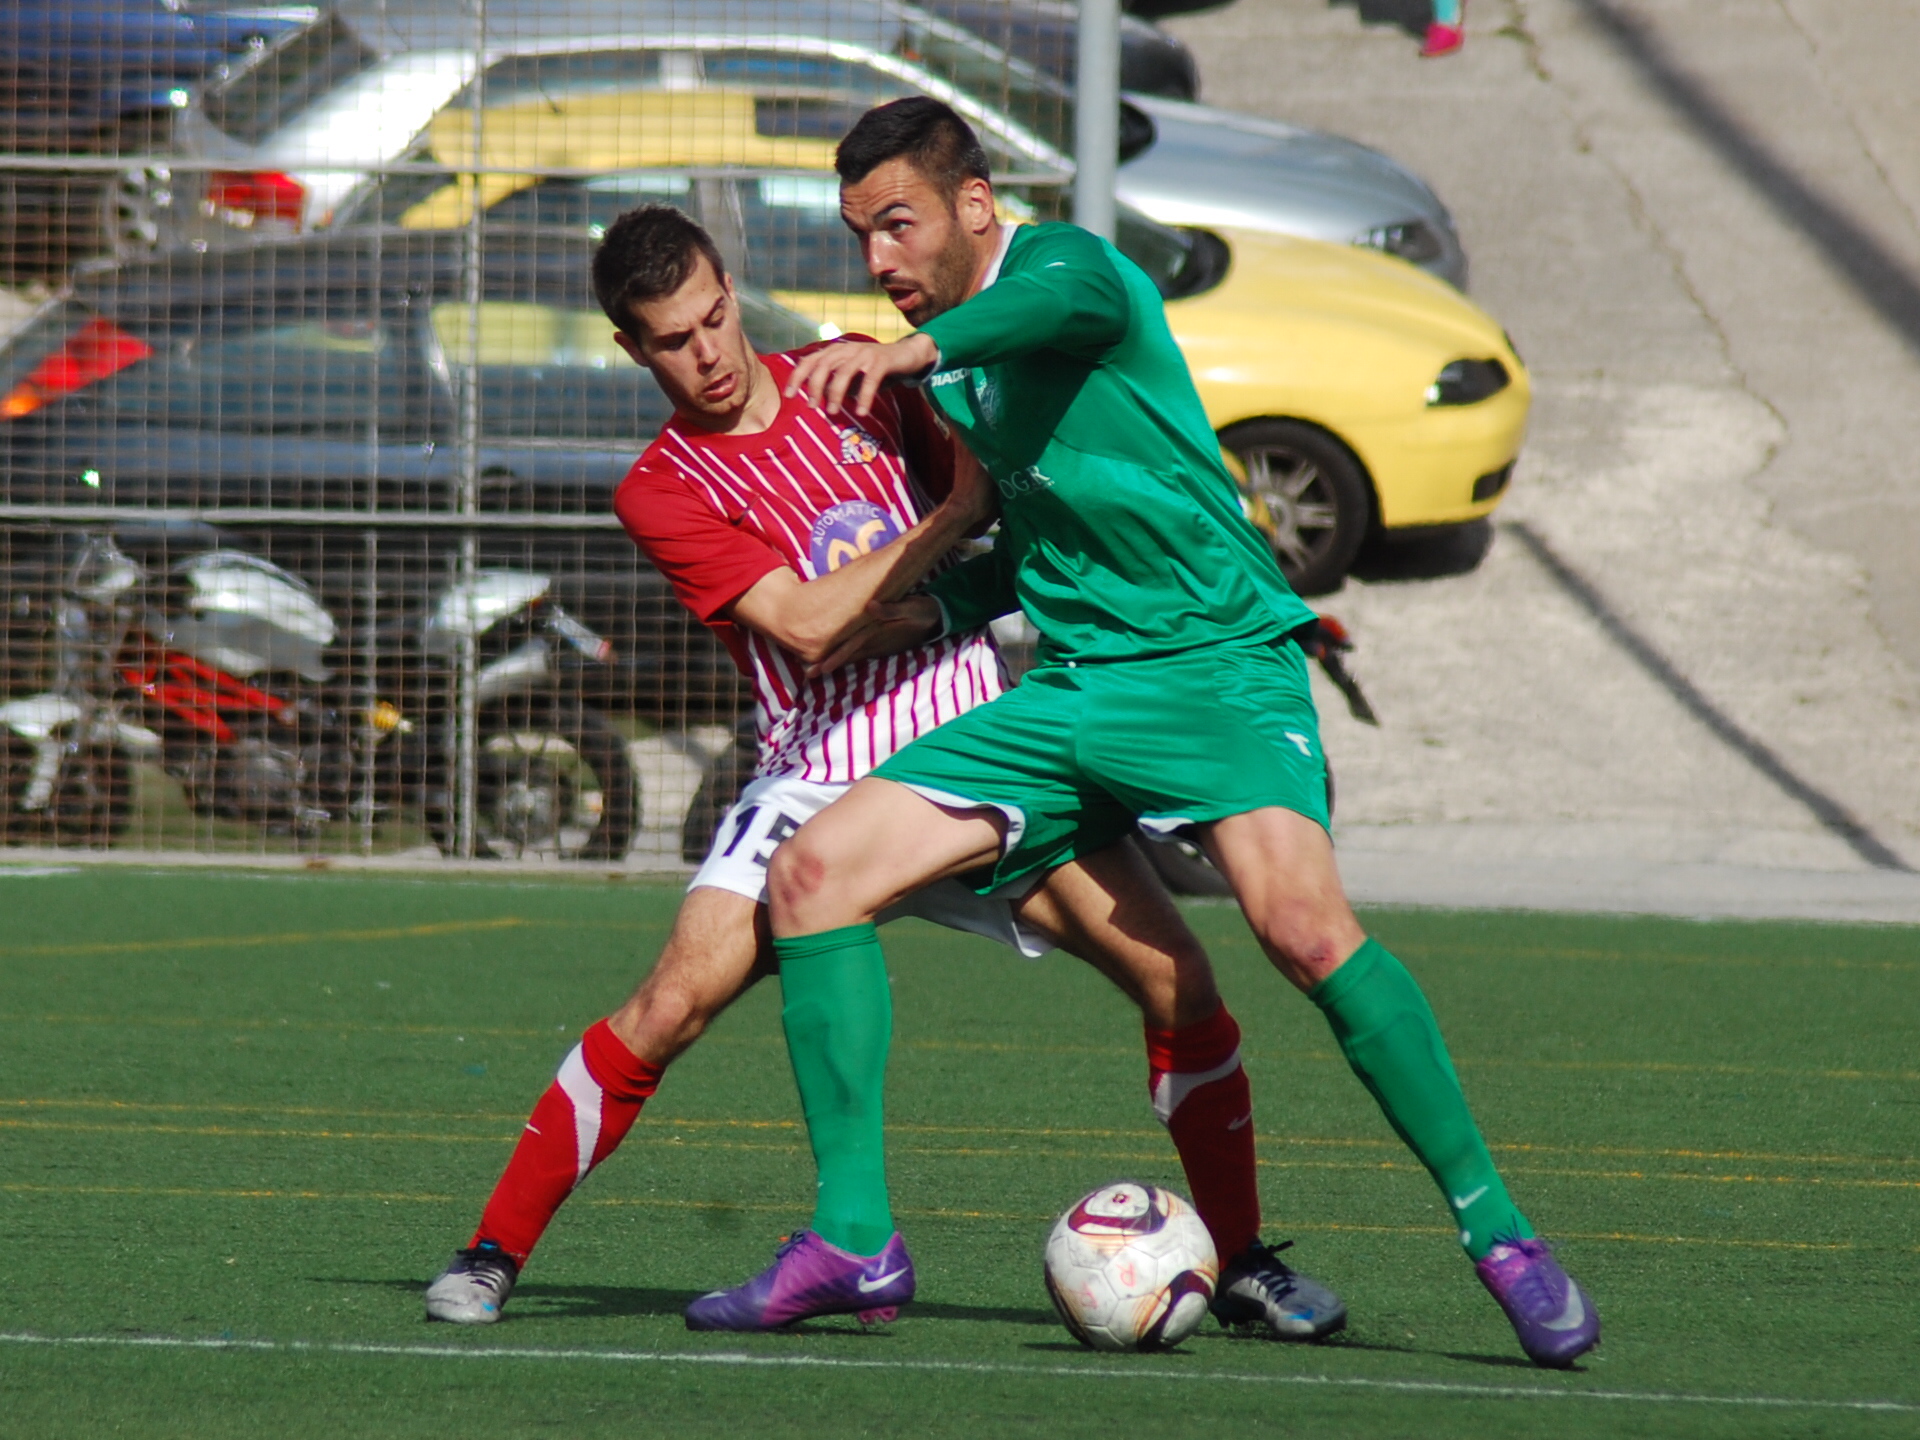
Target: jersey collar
{"points": [[1000, 254]]}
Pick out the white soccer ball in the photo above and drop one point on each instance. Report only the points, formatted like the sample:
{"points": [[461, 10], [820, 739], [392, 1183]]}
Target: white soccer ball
{"points": [[1131, 1267]]}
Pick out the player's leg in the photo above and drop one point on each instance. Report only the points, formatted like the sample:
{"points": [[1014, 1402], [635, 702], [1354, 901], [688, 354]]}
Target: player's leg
{"points": [[714, 953], [1281, 866], [1110, 910], [825, 887]]}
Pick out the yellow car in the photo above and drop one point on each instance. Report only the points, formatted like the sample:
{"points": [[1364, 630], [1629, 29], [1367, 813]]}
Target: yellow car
{"points": [[1352, 392]]}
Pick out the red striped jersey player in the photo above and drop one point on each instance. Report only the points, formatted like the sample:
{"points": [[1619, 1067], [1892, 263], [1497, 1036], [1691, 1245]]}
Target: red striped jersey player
{"points": [[781, 528]]}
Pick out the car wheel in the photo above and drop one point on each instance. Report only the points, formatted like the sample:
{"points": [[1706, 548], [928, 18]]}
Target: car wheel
{"points": [[1307, 494]]}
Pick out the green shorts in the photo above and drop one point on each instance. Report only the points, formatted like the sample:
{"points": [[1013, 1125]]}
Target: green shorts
{"points": [[1074, 755]]}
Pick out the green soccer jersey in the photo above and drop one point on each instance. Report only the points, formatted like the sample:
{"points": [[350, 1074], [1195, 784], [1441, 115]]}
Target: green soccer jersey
{"points": [[1121, 533]]}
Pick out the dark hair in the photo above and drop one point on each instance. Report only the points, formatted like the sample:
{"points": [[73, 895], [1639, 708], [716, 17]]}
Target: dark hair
{"points": [[647, 253], [928, 133]]}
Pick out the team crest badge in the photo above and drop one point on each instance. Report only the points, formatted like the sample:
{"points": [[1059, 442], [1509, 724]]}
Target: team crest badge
{"points": [[857, 447], [846, 532]]}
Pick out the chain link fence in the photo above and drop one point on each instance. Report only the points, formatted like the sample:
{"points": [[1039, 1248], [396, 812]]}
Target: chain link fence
{"points": [[309, 426]]}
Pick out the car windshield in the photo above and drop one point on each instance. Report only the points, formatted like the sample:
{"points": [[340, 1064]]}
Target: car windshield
{"points": [[1035, 102], [287, 79], [797, 93]]}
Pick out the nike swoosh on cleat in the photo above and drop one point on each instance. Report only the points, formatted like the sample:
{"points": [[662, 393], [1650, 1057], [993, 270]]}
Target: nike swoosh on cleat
{"points": [[1460, 1202], [867, 1287], [1571, 1318]]}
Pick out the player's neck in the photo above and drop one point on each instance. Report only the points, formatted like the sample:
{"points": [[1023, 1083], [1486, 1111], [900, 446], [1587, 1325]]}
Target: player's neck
{"points": [[757, 414], [987, 251]]}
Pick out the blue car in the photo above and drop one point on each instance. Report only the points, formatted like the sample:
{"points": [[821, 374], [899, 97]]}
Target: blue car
{"points": [[102, 77]]}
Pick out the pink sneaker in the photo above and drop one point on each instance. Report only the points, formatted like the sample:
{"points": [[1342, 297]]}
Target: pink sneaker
{"points": [[1443, 40]]}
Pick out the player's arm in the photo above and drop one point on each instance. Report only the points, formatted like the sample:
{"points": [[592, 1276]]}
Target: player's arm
{"points": [[1072, 300], [816, 618], [966, 597]]}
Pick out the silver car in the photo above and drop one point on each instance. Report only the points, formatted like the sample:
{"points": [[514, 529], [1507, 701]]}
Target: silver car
{"points": [[305, 127]]}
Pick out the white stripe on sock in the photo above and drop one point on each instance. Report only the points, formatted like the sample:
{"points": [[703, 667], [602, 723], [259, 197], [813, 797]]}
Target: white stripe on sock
{"points": [[1174, 1087], [584, 1091]]}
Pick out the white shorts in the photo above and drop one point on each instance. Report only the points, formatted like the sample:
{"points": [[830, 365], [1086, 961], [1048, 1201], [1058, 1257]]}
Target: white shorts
{"points": [[772, 808]]}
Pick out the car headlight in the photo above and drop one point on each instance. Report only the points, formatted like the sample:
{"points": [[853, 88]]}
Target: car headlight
{"points": [[1467, 382], [1412, 240]]}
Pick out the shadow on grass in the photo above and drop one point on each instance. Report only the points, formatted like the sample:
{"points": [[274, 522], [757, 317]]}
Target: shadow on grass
{"points": [[614, 1301]]}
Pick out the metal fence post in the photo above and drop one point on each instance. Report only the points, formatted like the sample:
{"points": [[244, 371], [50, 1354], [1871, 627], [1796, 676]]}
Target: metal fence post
{"points": [[1096, 116], [467, 722]]}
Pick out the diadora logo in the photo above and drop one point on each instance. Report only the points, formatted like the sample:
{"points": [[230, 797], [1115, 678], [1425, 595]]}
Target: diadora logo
{"points": [[1022, 482], [947, 377], [846, 532], [857, 447]]}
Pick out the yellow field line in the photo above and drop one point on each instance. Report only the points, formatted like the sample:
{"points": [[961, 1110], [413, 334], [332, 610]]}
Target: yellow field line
{"points": [[656, 1138], [1044, 1132], [1292, 1057], [188, 1192], [287, 937], [797, 1209]]}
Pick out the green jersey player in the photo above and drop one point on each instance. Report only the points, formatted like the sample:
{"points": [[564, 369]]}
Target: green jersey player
{"points": [[1168, 692]]}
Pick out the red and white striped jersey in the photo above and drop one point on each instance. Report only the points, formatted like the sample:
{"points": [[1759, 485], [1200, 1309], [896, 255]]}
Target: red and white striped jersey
{"points": [[716, 513]]}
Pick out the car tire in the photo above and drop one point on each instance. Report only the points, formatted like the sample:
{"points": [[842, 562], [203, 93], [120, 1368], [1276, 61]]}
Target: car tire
{"points": [[1307, 494]]}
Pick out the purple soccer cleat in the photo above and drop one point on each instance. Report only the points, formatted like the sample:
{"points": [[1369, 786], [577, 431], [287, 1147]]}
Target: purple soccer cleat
{"points": [[809, 1277], [1555, 1321]]}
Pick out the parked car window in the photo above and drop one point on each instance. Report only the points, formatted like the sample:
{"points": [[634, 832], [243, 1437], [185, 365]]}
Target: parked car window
{"points": [[795, 238], [522, 78], [316, 377], [550, 373], [287, 79], [590, 205]]}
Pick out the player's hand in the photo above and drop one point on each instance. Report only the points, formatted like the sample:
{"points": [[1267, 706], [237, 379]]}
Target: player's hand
{"points": [[891, 626], [836, 377]]}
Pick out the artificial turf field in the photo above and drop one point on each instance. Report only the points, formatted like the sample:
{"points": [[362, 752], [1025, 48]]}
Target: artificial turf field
{"points": [[244, 1118]]}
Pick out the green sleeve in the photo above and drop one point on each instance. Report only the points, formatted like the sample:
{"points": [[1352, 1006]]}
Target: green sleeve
{"points": [[975, 591], [1063, 294]]}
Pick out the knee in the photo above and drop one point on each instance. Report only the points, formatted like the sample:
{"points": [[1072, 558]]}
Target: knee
{"points": [[1306, 946], [796, 875]]}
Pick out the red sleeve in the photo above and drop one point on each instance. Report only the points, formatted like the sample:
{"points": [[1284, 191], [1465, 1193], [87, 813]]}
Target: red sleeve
{"points": [[709, 563], [926, 443]]}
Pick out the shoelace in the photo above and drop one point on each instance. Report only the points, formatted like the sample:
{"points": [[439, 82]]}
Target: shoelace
{"points": [[1532, 1290], [1268, 1269]]}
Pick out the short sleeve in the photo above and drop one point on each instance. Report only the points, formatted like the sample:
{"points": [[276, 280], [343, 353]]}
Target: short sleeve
{"points": [[709, 563]]}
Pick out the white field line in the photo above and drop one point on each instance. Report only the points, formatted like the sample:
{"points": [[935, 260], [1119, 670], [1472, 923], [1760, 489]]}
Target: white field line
{"points": [[949, 1367]]}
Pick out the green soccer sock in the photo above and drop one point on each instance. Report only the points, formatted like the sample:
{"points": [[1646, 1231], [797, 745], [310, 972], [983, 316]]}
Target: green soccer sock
{"points": [[839, 1022], [1389, 1036]]}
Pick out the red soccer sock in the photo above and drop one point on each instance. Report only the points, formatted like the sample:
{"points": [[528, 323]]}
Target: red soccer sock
{"points": [[582, 1118], [1200, 1093]]}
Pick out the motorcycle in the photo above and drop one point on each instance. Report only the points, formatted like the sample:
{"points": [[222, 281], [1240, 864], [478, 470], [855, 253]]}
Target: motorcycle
{"points": [[215, 667]]}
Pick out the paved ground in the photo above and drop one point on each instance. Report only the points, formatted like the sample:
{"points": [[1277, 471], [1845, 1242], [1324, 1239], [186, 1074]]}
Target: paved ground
{"points": [[1695, 640], [1685, 676]]}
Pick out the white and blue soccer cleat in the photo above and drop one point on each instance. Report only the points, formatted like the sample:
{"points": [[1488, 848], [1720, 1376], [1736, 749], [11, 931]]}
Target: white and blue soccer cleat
{"points": [[474, 1287], [1256, 1289]]}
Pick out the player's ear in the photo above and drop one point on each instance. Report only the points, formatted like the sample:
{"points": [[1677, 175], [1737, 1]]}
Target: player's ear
{"points": [[974, 206], [630, 347]]}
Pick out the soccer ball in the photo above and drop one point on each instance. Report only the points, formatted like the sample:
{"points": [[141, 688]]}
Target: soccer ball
{"points": [[1131, 1267]]}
